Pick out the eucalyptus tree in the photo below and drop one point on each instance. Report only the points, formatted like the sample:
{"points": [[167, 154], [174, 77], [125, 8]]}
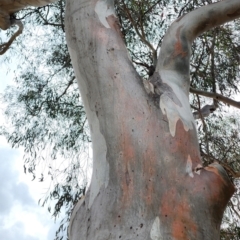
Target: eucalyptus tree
{"points": [[145, 148]]}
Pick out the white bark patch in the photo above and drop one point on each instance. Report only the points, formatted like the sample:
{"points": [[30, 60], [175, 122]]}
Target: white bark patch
{"points": [[173, 111], [100, 173], [155, 233], [103, 10], [198, 169], [189, 169]]}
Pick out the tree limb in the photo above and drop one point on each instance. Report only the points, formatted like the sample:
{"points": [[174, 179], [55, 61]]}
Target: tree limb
{"points": [[176, 48], [142, 36], [224, 165], [5, 46], [217, 97], [9, 7]]}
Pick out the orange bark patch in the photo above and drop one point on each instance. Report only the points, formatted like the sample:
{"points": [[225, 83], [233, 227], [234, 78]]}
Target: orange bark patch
{"points": [[216, 178], [183, 223], [178, 49], [177, 212]]}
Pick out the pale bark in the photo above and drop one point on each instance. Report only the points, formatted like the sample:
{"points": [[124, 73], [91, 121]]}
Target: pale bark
{"points": [[147, 180]]}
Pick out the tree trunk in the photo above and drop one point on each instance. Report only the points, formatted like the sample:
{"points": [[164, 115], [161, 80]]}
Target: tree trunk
{"points": [[147, 181]]}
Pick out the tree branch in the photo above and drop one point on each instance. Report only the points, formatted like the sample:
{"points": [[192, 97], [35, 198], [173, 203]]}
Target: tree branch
{"points": [[217, 97], [68, 85], [176, 48], [142, 36], [224, 165], [5, 46], [46, 22], [9, 7]]}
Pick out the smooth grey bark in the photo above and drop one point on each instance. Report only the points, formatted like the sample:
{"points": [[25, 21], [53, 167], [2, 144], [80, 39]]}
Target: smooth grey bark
{"points": [[148, 181]]}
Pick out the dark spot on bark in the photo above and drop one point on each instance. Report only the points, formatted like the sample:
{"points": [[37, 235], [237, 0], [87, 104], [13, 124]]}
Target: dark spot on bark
{"points": [[119, 216], [128, 180], [88, 219], [120, 236], [114, 225], [130, 227], [165, 215], [141, 225]]}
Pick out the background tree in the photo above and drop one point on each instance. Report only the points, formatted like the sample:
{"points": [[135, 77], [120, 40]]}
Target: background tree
{"points": [[140, 23]]}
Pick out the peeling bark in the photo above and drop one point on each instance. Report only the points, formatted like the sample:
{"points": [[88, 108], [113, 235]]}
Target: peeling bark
{"points": [[147, 182]]}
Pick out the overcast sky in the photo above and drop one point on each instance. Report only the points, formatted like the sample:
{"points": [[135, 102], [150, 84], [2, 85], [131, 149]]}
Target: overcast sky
{"points": [[21, 217]]}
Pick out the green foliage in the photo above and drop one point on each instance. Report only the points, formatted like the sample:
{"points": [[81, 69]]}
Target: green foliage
{"points": [[44, 110]]}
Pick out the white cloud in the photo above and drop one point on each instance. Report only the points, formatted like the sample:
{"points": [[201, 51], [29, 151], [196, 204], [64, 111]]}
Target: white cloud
{"points": [[17, 232], [10, 190], [20, 216]]}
